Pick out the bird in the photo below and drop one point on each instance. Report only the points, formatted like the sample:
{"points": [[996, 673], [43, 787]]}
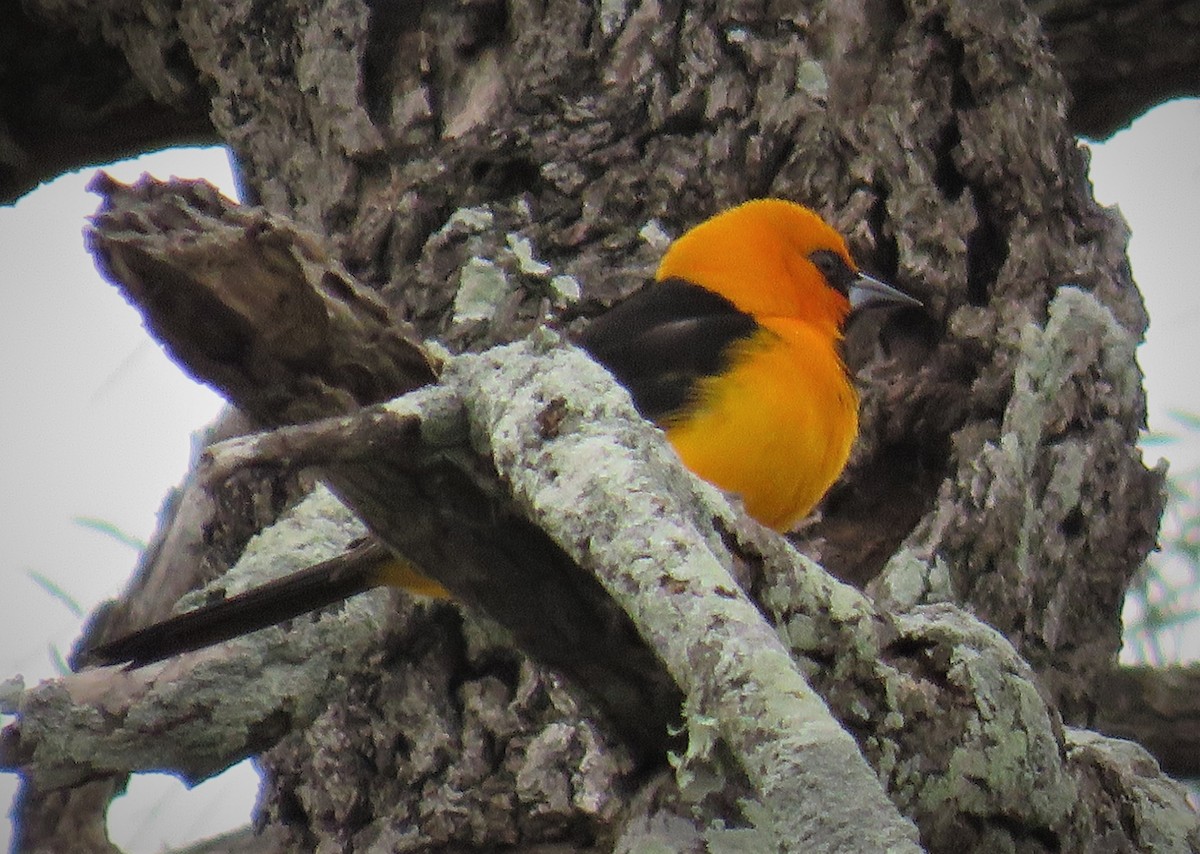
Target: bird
{"points": [[733, 350]]}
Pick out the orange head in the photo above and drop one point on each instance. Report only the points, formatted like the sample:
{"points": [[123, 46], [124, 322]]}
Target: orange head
{"points": [[774, 258]]}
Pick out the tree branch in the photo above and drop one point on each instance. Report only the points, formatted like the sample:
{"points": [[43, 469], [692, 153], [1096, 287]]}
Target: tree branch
{"points": [[775, 727], [534, 437], [288, 336], [1159, 708], [218, 705], [1122, 57], [429, 141], [69, 98]]}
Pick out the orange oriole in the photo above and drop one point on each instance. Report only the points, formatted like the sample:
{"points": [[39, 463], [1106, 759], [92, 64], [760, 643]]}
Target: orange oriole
{"points": [[733, 352]]}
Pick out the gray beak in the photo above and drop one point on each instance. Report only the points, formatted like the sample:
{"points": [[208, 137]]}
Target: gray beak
{"points": [[865, 291]]}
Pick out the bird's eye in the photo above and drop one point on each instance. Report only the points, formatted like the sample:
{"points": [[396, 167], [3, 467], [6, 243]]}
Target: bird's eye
{"points": [[834, 268]]}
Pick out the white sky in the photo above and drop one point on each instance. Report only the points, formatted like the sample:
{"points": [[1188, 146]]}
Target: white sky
{"points": [[99, 424], [98, 420], [1152, 173]]}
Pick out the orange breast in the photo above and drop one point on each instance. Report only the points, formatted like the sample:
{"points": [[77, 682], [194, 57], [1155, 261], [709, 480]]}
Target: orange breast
{"points": [[776, 428]]}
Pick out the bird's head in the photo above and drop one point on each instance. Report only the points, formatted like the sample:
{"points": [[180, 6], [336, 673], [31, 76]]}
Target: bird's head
{"points": [[775, 258]]}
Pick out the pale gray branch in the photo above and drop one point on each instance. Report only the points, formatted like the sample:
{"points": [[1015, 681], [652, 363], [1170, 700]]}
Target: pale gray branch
{"points": [[927, 694], [200, 713]]}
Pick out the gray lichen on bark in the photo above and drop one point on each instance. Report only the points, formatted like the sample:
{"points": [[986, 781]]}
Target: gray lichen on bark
{"points": [[1032, 503], [219, 706], [674, 578], [934, 135], [948, 715]]}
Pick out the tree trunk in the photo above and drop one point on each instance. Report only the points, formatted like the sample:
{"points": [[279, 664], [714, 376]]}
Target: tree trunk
{"points": [[416, 150]]}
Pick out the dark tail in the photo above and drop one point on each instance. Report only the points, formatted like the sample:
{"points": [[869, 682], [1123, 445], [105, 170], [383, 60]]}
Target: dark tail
{"points": [[366, 565]]}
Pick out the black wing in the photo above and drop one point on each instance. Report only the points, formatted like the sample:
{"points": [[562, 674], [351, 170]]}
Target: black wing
{"points": [[663, 340]]}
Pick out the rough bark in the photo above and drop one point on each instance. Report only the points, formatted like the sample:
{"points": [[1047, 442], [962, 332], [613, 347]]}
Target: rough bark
{"points": [[1159, 708], [291, 337], [81, 86], [77, 90], [929, 687], [491, 165], [1121, 57], [64, 820]]}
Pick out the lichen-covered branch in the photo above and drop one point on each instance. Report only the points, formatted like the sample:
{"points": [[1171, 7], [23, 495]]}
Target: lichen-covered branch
{"points": [[595, 485], [490, 168], [949, 717], [290, 336], [1015, 525], [197, 715], [740, 679]]}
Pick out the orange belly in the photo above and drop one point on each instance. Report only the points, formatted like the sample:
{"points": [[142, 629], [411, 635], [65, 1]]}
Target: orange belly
{"points": [[776, 428]]}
